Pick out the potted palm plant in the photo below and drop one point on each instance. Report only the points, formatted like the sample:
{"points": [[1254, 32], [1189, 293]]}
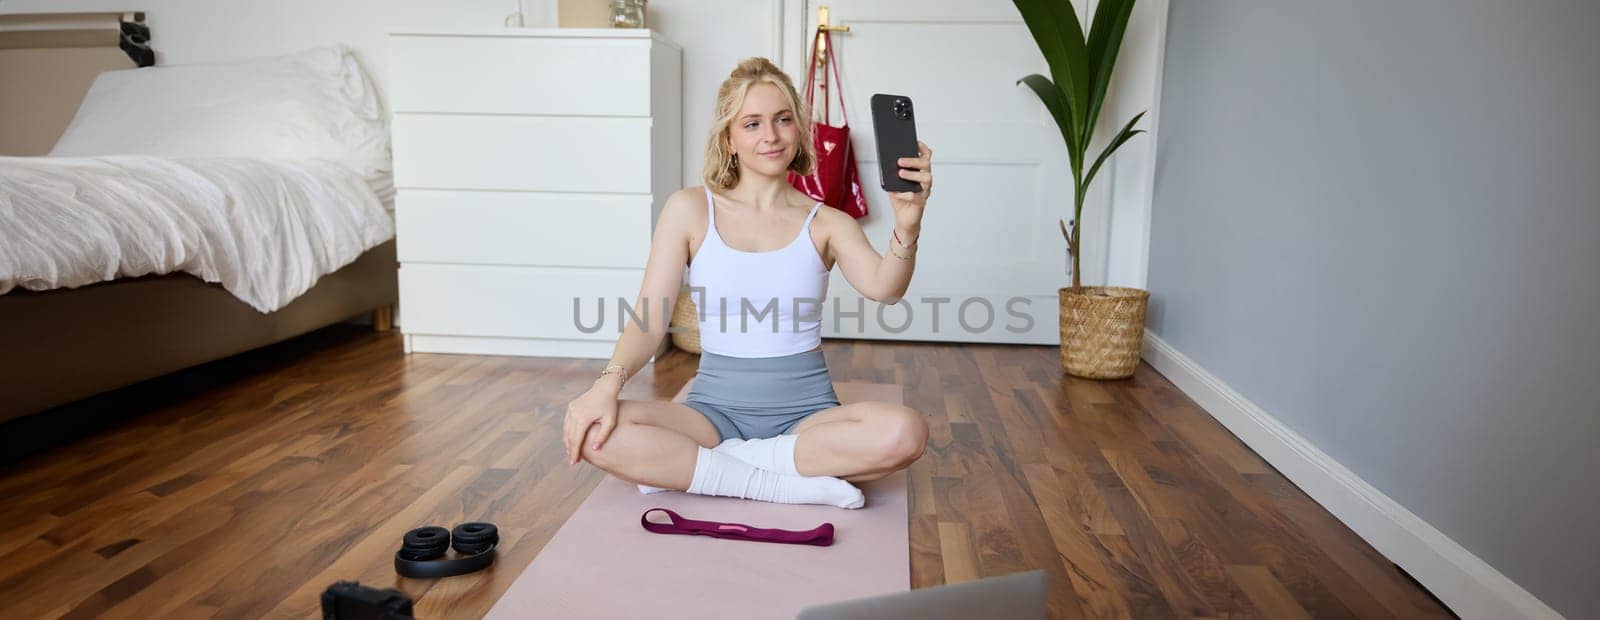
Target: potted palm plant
{"points": [[1102, 327]]}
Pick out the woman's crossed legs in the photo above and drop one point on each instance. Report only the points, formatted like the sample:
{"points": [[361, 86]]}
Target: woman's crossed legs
{"points": [[656, 443]]}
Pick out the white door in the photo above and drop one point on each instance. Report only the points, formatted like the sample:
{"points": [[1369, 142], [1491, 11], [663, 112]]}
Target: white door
{"points": [[991, 256]]}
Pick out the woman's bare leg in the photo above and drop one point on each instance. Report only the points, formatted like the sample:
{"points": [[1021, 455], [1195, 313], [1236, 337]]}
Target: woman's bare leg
{"points": [[654, 444], [859, 441]]}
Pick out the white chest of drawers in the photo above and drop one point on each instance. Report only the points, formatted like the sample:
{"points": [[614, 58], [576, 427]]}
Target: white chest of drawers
{"points": [[530, 166]]}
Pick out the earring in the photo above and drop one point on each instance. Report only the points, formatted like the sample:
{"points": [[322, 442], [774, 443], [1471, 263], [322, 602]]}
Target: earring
{"points": [[735, 163]]}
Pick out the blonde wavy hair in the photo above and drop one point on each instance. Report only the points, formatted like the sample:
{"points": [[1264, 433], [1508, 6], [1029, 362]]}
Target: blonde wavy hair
{"points": [[720, 170]]}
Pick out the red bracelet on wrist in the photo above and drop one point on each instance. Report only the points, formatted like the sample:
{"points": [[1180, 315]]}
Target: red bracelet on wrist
{"points": [[902, 243]]}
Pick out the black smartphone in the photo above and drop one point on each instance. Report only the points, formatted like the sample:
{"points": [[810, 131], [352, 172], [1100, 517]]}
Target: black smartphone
{"points": [[894, 125]]}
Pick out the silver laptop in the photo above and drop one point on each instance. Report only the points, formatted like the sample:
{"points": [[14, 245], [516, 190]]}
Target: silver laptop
{"points": [[1021, 596]]}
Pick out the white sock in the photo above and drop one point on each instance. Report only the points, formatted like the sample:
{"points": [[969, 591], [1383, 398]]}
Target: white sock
{"points": [[724, 475], [774, 454], [645, 489]]}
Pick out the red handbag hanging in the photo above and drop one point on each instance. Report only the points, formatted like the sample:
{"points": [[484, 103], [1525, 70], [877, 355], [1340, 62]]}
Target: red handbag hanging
{"points": [[834, 181]]}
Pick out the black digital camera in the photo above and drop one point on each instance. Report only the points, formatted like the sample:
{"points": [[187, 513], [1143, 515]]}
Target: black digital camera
{"points": [[349, 600]]}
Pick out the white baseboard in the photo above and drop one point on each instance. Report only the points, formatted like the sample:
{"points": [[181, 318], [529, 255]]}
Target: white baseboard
{"points": [[1467, 584]]}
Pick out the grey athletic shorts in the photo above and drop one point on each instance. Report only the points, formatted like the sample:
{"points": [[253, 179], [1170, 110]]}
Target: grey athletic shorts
{"points": [[760, 397]]}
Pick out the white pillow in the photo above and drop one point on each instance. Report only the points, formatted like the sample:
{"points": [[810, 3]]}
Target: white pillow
{"points": [[313, 104]]}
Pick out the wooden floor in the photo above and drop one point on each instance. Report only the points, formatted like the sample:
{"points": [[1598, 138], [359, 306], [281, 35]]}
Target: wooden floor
{"points": [[302, 465]]}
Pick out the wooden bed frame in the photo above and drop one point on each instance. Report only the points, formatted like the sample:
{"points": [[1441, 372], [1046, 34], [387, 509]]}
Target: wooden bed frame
{"points": [[63, 345]]}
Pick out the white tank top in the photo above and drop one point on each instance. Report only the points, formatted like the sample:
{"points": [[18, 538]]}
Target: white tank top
{"points": [[758, 304]]}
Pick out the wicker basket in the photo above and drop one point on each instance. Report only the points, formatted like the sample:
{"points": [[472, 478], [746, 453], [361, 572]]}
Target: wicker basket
{"points": [[686, 318], [1102, 330]]}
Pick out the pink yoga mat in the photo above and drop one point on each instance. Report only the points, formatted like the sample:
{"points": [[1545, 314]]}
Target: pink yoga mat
{"points": [[602, 564]]}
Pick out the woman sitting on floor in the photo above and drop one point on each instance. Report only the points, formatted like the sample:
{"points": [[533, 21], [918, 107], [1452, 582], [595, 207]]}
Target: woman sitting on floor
{"points": [[762, 420]]}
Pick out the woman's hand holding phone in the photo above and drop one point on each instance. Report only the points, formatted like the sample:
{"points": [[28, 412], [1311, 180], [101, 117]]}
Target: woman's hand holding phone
{"points": [[907, 180], [908, 206]]}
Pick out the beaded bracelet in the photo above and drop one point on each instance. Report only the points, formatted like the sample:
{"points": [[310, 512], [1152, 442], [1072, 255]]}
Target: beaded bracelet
{"points": [[896, 233], [621, 372], [902, 244]]}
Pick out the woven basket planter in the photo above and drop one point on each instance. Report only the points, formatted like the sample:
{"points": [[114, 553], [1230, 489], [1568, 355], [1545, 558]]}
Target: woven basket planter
{"points": [[1102, 330], [686, 318]]}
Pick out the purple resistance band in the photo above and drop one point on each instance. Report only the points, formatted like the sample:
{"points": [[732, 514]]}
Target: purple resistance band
{"points": [[820, 536]]}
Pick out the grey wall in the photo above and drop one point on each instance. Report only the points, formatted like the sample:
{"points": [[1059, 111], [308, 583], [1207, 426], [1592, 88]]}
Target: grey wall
{"points": [[1381, 223]]}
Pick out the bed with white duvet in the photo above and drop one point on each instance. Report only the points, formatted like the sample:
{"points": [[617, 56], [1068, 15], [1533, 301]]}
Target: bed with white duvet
{"points": [[261, 176], [265, 230], [188, 213]]}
